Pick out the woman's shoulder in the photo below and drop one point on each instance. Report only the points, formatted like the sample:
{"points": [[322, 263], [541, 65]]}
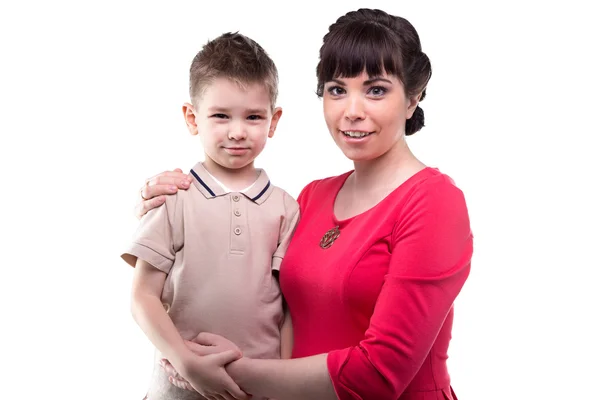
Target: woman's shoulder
{"points": [[432, 180], [432, 194]]}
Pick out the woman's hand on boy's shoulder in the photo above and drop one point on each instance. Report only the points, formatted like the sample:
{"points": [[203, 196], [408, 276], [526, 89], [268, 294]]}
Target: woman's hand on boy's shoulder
{"points": [[153, 193]]}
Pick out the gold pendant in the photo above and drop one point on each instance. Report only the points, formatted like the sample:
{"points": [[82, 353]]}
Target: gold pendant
{"points": [[329, 237]]}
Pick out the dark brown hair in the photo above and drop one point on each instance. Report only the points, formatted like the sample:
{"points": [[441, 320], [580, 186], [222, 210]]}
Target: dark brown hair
{"points": [[236, 57], [375, 41]]}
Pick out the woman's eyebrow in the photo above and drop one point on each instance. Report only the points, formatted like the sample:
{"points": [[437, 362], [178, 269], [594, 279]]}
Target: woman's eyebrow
{"points": [[338, 82], [376, 79], [365, 83]]}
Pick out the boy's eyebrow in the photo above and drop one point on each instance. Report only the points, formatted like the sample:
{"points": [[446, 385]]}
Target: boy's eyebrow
{"points": [[250, 111], [257, 111], [217, 109]]}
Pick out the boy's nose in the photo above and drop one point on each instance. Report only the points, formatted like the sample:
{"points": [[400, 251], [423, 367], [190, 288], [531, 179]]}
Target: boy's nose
{"points": [[237, 132]]}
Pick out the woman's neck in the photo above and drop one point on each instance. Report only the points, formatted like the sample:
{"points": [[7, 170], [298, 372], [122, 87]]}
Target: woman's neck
{"points": [[386, 172]]}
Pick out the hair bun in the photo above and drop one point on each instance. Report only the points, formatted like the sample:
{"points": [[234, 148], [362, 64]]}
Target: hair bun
{"points": [[416, 122]]}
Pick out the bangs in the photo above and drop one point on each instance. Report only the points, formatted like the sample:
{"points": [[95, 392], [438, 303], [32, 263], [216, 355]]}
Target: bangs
{"points": [[353, 50]]}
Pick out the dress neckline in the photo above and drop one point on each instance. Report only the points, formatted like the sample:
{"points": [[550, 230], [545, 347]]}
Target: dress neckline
{"points": [[344, 178]]}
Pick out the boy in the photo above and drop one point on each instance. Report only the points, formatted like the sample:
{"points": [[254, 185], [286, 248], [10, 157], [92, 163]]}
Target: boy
{"points": [[206, 261]]}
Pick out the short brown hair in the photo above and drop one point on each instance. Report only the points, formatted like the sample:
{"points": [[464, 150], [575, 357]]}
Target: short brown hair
{"points": [[236, 57], [375, 41]]}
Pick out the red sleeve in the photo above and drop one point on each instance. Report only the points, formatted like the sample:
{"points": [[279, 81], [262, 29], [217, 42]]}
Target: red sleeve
{"points": [[430, 261]]}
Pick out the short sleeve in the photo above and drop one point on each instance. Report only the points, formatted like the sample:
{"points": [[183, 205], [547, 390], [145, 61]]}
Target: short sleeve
{"points": [[153, 240], [288, 226]]}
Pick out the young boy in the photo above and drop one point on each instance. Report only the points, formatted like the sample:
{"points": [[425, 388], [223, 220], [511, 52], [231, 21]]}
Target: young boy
{"points": [[206, 261]]}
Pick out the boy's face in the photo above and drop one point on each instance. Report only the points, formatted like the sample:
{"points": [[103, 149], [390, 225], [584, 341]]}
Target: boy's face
{"points": [[233, 122]]}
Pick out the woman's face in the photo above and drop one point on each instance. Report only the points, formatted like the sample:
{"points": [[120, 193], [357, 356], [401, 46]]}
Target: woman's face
{"points": [[366, 116]]}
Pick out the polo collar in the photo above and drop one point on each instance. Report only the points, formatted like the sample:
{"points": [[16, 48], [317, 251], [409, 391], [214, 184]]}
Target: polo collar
{"points": [[204, 182]]}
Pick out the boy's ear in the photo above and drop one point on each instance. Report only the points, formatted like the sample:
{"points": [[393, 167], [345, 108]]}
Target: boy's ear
{"points": [[274, 120], [189, 114]]}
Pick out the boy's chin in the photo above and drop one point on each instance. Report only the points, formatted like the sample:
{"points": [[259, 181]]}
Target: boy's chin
{"points": [[235, 165]]}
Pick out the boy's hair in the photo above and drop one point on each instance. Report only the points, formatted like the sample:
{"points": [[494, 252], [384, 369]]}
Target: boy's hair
{"points": [[236, 57]]}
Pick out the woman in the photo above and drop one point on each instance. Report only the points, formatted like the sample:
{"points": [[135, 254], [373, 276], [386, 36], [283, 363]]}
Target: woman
{"points": [[382, 251]]}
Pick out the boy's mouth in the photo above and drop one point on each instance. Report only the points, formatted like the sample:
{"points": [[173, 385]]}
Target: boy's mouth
{"points": [[236, 151]]}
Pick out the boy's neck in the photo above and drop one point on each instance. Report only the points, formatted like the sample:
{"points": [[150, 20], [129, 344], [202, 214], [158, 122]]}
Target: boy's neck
{"points": [[235, 179]]}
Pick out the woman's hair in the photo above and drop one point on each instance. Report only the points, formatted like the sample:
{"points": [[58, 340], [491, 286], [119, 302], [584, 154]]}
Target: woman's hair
{"points": [[377, 42]]}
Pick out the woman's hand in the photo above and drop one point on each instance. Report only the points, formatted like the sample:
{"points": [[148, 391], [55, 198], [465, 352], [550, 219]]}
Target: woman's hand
{"points": [[153, 193], [214, 383], [207, 375]]}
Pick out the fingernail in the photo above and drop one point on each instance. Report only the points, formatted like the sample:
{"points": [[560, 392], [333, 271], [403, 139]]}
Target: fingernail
{"points": [[185, 183], [172, 188]]}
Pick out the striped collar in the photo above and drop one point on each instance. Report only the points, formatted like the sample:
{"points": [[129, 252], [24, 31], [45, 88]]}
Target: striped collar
{"points": [[204, 182]]}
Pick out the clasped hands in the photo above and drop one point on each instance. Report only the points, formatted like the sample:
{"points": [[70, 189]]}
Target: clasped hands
{"points": [[203, 370]]}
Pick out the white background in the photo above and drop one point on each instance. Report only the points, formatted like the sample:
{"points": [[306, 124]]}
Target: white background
{"points": [[91, 94]]}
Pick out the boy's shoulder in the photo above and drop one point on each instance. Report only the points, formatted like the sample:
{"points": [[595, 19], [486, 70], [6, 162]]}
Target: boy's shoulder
{"points": [[280, 194]]}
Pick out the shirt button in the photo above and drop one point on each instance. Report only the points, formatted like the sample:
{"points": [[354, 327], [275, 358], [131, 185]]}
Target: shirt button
{"points": [[236, 197], [237, 213], [237, 231]]}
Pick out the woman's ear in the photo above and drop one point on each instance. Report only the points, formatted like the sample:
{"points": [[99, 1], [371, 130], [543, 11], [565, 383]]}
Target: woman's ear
{"points": [[412, 103]]}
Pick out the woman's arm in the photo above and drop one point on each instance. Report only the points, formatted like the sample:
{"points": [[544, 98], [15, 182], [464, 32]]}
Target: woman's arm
{"points": [[295, 379], [431, 248], [431, 255]]}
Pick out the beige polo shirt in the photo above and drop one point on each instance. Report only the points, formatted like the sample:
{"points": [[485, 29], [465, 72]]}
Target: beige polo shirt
{"points": [[218, 250]]}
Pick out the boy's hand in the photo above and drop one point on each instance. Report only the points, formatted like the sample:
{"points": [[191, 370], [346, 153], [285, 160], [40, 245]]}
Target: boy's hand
{"points": [[207, 375]]}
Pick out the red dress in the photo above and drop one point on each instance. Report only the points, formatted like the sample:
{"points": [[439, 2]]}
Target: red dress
{"points": [[379, 301]]}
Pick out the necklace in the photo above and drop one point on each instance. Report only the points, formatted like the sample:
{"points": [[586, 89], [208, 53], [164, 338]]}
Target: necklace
{"points": [[329, 237]]}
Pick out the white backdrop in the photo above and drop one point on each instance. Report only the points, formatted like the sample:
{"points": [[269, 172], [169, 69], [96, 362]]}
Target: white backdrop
{"points": [[91, 94]]}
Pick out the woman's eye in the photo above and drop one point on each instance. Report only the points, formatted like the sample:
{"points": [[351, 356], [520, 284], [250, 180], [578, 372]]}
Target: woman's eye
{"points": [[378, 91], [335, 90]]}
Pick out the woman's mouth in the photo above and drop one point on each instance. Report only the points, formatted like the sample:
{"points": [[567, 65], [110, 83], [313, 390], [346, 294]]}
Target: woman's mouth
{"points": [[356, 134]]}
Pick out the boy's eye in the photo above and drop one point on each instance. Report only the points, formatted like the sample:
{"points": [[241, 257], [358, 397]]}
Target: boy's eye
{"points": [[223, 116], [254, 117], [335, 90]]}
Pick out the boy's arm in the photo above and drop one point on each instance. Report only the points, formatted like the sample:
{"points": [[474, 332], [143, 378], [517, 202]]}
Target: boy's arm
{"points": [[285, 237], [287, 336], [148, 312], [206, 374]]}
